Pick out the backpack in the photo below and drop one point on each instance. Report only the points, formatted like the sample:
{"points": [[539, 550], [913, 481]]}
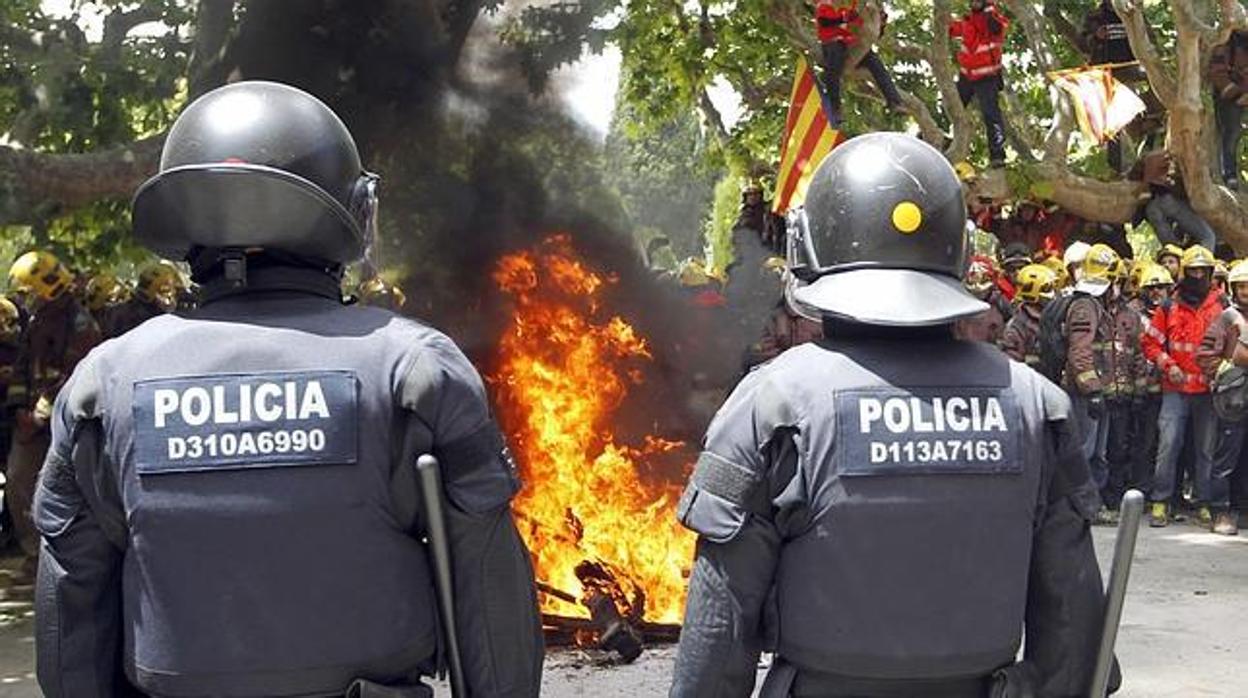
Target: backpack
{"points": [[1053, 344]]}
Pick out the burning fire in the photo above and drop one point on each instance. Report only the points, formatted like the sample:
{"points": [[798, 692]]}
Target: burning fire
{"points": [[564, 368]]}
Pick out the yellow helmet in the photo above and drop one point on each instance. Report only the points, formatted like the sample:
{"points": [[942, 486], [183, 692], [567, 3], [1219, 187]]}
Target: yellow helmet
{"points": [[1220, 270], [1058, 267], [379, 293], [159, 284], [1036, 283], [1169, 250], [1238, 273], [966, 171], [1100, 262], [104, 290], [1156, 275], [10, 319], [40, 273], [1197, 257]]}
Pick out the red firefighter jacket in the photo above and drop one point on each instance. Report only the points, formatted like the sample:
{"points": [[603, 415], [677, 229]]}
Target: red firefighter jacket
{"points": [[1173, 337], [839, 23], [983, 38]]}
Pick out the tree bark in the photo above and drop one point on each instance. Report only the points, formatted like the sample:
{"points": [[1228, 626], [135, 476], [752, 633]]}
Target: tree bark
{"points": [[1190, 127], [36, 185], [1160, 78]]}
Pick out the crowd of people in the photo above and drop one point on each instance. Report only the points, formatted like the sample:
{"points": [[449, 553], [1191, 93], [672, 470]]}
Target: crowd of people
{"points": [[49, 320], [1142, 347]]}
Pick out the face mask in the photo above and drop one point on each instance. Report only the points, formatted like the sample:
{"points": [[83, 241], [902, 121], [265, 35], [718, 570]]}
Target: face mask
{"points": [[1193, 290]]}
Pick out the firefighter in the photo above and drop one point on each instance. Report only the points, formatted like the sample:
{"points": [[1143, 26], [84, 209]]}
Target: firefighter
{"points": [[1170, 256], [104, 296], [233, 490], [1221, 274], [1156, 285], [1061, 275], [156, 293], [1073, 260], [59, 332], [1014, 257], [1126, 366], [12, 324], [1089, 361], [378, 292], [1215, 360], [982, 32], [982, 280], [1170, 341], [1037, 285], [838, 24], [827, 488]]}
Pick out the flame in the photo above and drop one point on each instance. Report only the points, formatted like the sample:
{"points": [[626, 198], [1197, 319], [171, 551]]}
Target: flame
{"points": [[564, 368]]}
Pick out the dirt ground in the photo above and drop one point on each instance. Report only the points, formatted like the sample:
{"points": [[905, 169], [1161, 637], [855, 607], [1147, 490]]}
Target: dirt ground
{"points": [[1185, 628]]}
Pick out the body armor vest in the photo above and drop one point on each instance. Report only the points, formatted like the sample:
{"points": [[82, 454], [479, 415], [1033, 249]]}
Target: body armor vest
{"points": [[923, 483], [255, 460]]}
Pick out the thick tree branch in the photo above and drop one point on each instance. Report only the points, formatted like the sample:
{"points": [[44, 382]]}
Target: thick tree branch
{"points": [[1065, 28], [1190, 132], [118, 25], [714, 121], [1159, 76], [942, 64], [33, 184], [1037, 38], [209, 63]]}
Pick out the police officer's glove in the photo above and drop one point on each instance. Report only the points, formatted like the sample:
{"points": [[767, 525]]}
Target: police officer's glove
{"points": [[1096, 406]]}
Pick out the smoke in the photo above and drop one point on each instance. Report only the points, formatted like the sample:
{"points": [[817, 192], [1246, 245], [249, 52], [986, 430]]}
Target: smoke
{"points": [[475, 166]]}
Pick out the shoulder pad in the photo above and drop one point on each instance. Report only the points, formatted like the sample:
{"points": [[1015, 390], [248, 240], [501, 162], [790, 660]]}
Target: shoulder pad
{"points": [[713, 504], [1055, 401]]}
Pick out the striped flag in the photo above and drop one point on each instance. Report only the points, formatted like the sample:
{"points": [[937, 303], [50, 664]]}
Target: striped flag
{"points": [[807, 140], [1103, 106]]}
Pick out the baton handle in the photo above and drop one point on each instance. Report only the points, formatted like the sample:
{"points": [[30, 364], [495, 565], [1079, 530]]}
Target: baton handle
{"points": [[439, 545], [1130, 513]]}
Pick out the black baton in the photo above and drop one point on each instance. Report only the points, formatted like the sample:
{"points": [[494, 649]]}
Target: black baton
{"points": [[1130, 512], [439, 546]]}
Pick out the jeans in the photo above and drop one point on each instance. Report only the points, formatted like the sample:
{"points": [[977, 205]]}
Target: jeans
{"points": [[987, 91], [1176, 410], [1226, 454], [1167, 210], [1095, 434], [834, 54], [1230, 127]]}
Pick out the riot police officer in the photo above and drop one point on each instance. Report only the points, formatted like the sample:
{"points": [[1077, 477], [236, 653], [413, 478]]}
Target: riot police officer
{"points": [[229, 506], [889, 508]]}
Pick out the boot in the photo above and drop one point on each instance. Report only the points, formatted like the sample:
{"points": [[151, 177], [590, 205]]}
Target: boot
{"points": [[1226, 523], [1158, 517], [1204, 516]]}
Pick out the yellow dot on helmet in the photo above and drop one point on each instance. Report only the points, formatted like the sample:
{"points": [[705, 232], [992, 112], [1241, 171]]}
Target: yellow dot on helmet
{"points": [[907, 217]]}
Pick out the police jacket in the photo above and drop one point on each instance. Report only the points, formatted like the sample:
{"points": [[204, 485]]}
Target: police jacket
{"points": [[882, 510], [229, 506]]}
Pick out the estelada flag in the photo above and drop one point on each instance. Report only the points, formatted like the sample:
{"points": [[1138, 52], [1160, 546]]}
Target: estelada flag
{"points": [[1103, 105], [808, 138]]}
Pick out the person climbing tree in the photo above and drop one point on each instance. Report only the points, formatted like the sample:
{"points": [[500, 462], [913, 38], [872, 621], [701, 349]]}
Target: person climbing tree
{"points": [[838, 24], [982, 32]]}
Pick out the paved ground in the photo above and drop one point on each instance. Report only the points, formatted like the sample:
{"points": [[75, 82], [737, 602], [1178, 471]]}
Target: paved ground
{"points": [[1185, 628]]}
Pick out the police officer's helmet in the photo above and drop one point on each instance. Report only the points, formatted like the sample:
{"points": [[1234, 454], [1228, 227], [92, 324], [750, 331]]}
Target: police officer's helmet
{"points": [[882, 239], [258, 165]]}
